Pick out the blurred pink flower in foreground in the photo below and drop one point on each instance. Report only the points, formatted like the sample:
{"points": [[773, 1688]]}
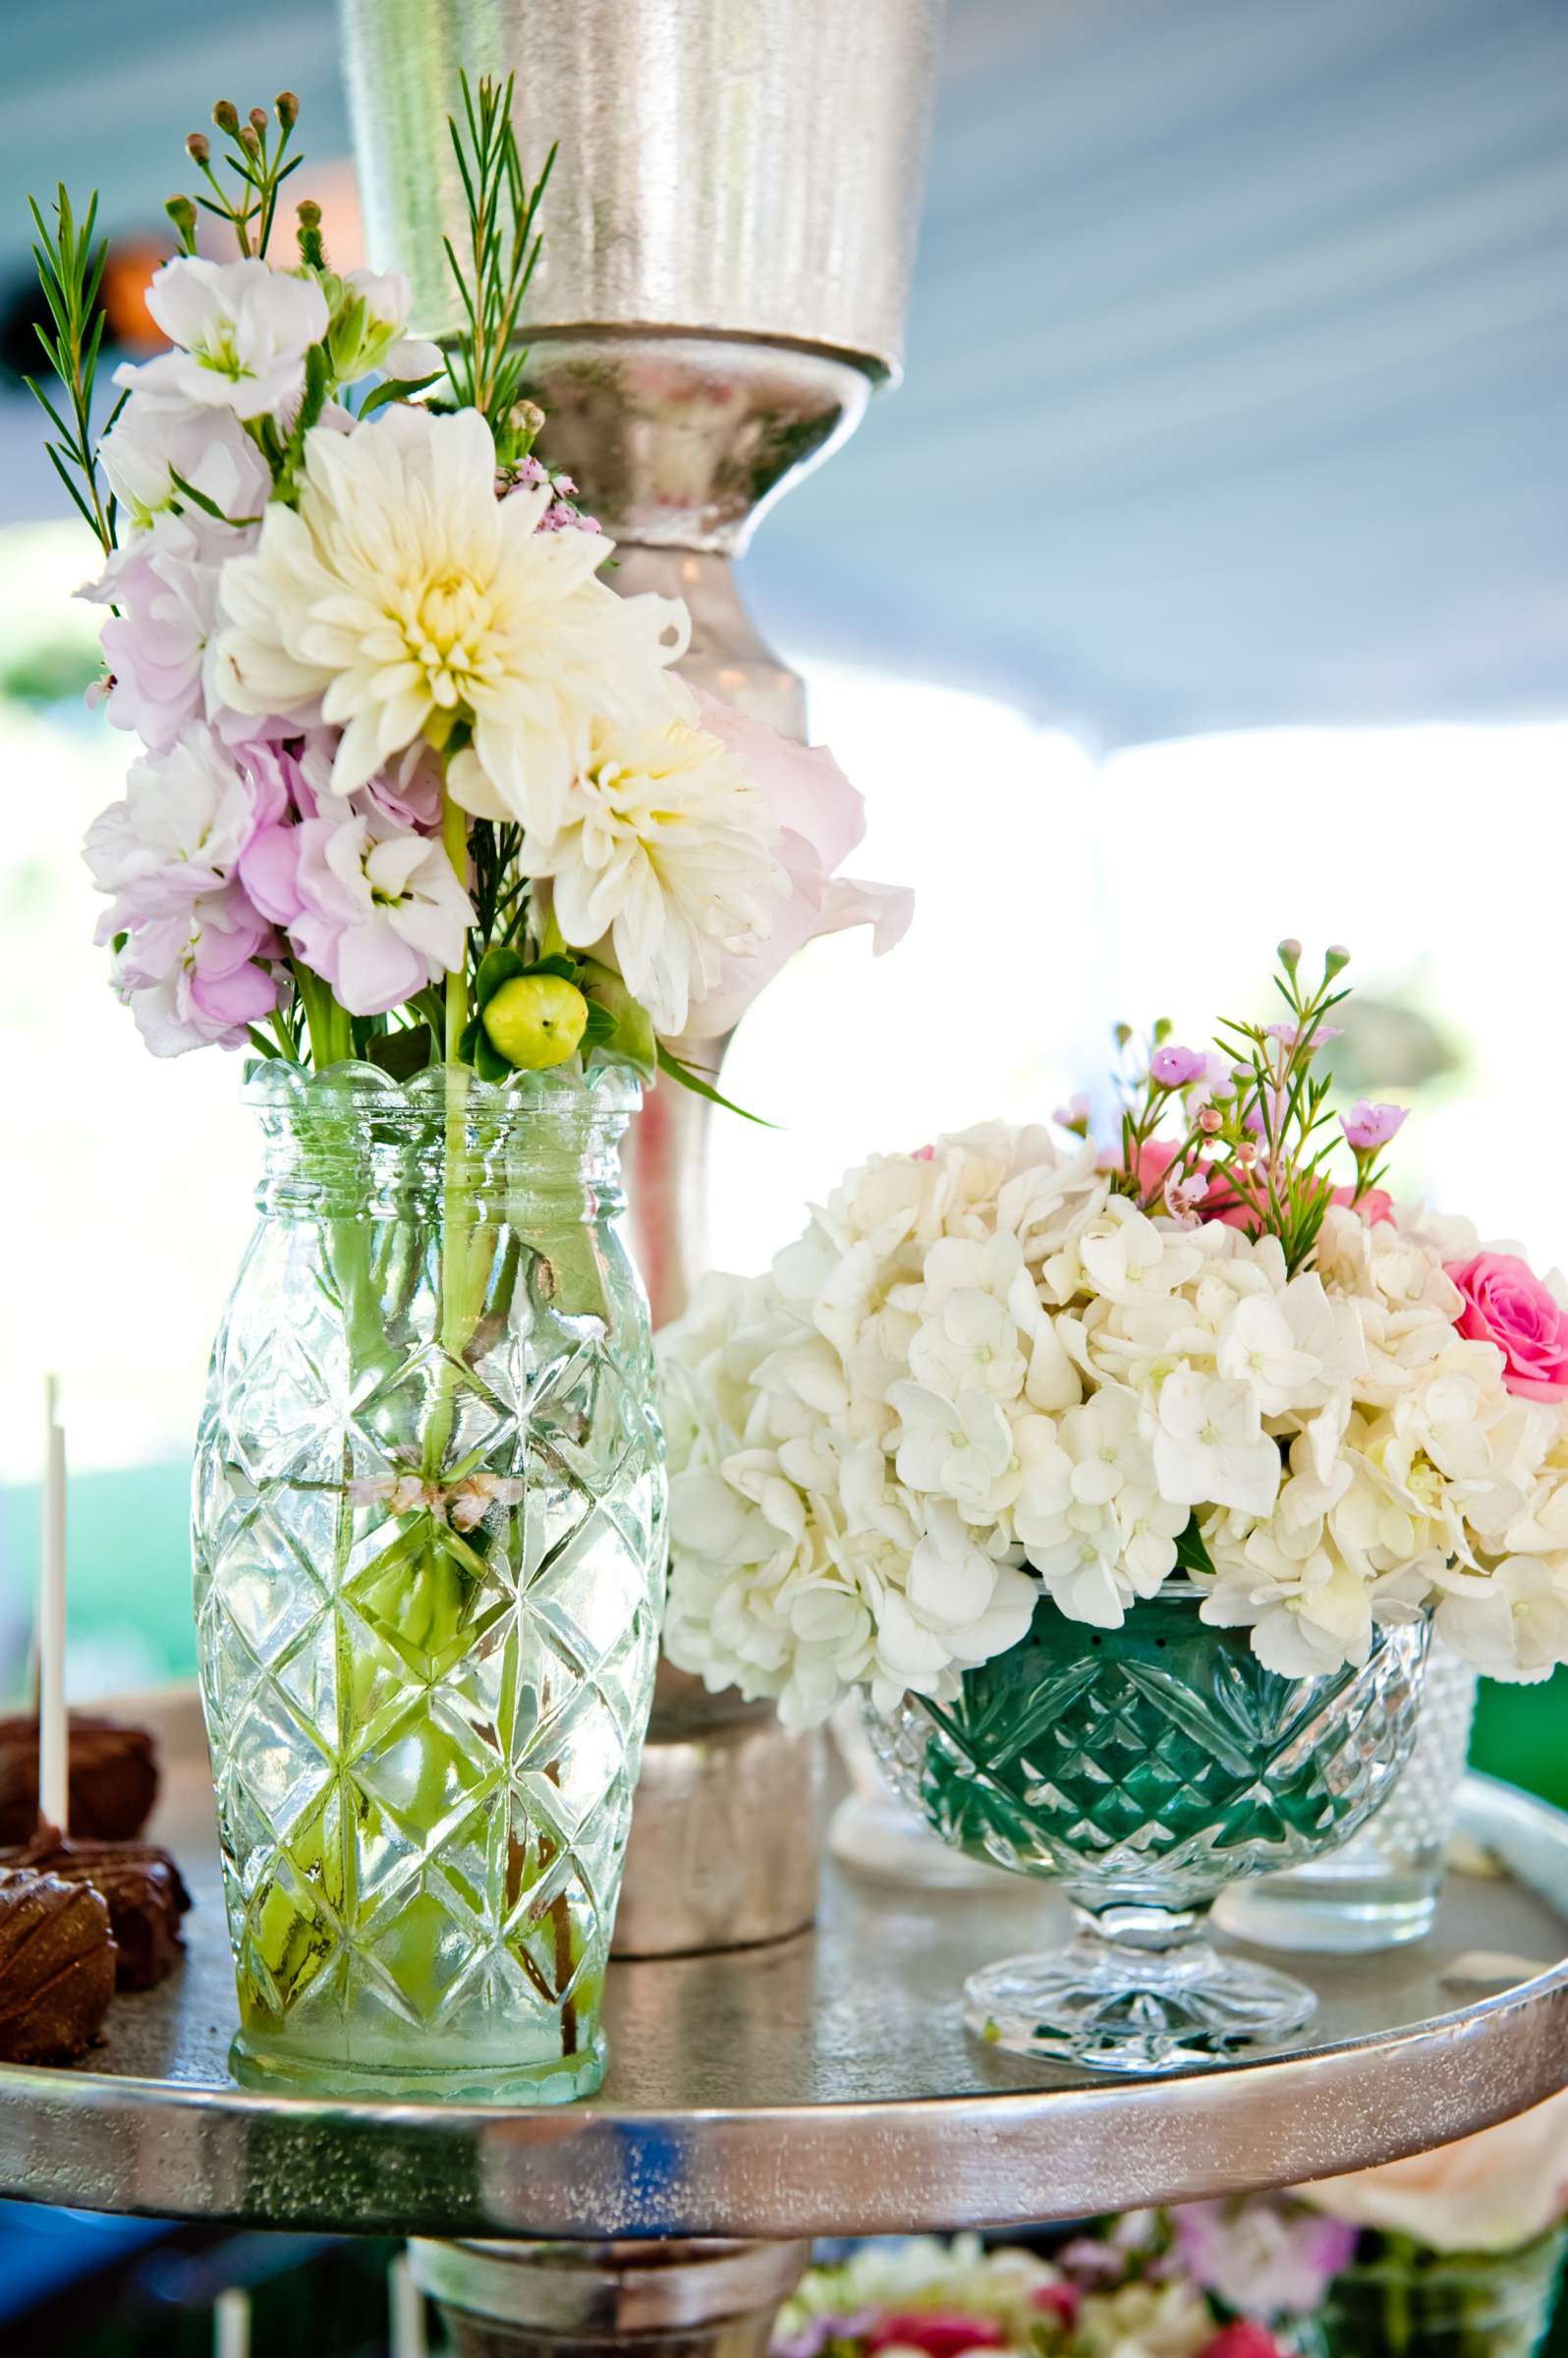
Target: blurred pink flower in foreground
{"points": [[822, 818], [1487, 2193]]}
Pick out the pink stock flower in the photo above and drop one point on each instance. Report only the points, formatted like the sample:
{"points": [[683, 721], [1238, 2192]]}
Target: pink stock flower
{"points": [[164, 587], [1367, 1127], [186, 821], [381, 912], [1263, 2258], [1507, 1304], [1175, 1067], [822, 818], [192, 979]]}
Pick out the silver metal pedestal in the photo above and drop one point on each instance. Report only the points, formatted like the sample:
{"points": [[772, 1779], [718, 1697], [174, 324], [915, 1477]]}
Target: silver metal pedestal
{"points": [[684, 2299]]}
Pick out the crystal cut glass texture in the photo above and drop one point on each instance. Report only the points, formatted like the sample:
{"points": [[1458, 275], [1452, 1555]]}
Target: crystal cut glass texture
{"points": [[428, 1546], [1144, 1768], [1382, 1888]]}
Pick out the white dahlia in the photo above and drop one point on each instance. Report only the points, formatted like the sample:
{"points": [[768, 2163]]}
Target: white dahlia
{"points": [[663, 847], [404, 592]]}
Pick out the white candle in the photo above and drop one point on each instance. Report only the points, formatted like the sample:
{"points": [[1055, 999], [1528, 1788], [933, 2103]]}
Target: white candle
{"points": [[53, 1741], [406, 2303], [231, 2325]]}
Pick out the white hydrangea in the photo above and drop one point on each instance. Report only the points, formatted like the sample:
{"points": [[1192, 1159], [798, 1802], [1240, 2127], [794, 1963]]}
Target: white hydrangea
{"points": [[978, 1374]]}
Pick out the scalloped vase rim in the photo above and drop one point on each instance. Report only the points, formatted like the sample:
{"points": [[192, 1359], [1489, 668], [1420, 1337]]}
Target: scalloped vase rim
{"points": [[275, 1082]]}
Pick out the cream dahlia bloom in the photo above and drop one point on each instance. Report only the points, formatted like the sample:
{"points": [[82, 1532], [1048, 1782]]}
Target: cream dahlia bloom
{"points": [[403, 593], [664, 847]]}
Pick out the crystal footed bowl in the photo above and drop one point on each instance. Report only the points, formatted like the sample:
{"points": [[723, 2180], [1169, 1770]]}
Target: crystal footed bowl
{"points": [[1146, 1769]]}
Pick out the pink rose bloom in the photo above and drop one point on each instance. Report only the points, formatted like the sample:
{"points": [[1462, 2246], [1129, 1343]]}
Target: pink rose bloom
{"points": [[1060, 2301], [1220, 1201], [822, 818], [939, 2332], [1246, 2338], [1507, 1304]]}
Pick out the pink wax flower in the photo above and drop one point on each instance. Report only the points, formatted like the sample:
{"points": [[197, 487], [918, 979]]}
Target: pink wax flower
{"points": [[1175, 1067], [1367, 1127], [939, 2332], [1507, 1304], [1060, 2301]]}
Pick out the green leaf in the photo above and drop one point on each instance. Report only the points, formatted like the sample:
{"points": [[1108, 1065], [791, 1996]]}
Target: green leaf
{"points": [[1191, 1553], [497, 967], [598, 1030], [401, 1054], [689, 1077], [395, 388], [558, 963]]}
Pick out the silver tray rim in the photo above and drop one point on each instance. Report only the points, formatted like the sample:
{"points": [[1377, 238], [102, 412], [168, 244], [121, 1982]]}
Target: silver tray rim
{"points": [[94, 2140]]}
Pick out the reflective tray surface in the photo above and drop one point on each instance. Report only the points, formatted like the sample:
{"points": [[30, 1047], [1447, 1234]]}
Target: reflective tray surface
{"points": [[822, 2085]]}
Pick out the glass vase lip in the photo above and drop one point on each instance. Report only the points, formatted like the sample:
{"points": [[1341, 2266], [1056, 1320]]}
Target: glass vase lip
{"points": [[354, 1141], [272, 1084]]}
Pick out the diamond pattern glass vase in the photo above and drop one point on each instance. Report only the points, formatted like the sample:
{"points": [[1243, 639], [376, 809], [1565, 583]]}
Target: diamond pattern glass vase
{"points": [[427, 1527], [1144, 1768]]}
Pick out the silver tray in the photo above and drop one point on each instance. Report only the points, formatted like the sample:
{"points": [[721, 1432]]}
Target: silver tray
{"points": [[824, 2085]]}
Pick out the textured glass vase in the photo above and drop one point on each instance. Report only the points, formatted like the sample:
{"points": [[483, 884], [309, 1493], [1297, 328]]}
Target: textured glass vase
{"points": [[428, 1509], [1144, 1768], [1382, 1888], [1408, 2302]]}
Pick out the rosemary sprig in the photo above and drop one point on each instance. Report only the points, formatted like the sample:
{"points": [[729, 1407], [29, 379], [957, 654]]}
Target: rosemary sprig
{"points": [[486, 363], [71, 272]]}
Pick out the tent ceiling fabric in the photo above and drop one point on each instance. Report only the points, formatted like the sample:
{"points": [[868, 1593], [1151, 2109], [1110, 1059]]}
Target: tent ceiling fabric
{"points": [[1238, 360]]}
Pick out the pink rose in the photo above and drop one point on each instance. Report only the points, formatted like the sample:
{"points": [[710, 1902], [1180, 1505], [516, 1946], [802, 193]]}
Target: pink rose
{"points": [[939, 2332], [1246, 2338], [822, 818], [1507, 1304]]}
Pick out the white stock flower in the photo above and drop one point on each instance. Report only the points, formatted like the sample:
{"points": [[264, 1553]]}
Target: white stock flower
{"points": [[150, 444], [240, 331], [403, 594], [664, 851], [1209, 1448]]}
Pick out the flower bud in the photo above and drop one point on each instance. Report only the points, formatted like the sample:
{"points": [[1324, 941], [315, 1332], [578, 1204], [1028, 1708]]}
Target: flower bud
{"points": [[226, 115], [258, 121], [247, 139], [526, 420], [198, 148], [1290, 953], [1337, 960], [1122, 1034], [286, 108], [1163, 1028], [307, 213], [1210, 1121], [183, 213]]}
